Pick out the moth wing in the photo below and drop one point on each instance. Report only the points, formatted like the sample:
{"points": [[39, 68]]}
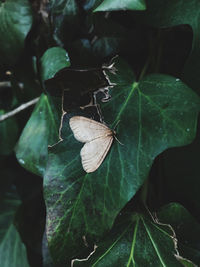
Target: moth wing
{"points": [[86, 130], [93, 153]]}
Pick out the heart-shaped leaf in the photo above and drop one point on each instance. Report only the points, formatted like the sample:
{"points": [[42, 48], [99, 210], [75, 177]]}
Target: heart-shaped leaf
{"points": [[40, 131], [156, 113], [134, 242], [137, 240]]}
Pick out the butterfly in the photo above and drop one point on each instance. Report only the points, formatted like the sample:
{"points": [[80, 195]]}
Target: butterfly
{"points": [[97, 137]]}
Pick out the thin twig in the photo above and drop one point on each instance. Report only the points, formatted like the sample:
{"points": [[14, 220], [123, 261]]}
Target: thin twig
{"points": [[20, 108]]}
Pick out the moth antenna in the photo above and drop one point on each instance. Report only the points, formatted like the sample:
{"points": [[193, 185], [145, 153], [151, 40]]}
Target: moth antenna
{"points": [[115, 132], [116, 124], [118, 140]]}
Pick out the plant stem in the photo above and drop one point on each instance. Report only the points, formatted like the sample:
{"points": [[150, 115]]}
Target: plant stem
{"points": [[144, 191], [18, 109]]}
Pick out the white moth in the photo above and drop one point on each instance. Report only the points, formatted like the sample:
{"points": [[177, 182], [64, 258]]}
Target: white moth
{"points": [[97, 137]]}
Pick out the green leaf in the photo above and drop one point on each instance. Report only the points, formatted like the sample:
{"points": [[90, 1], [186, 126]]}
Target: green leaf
{"points": [[40, 131], [136, 241], [15, 23], [152, 115], [12, 250], [25, 79], [166, 13], [52, 61], [187, 230], [109, 5], [65, 20], [181, 167], [8, 135]]}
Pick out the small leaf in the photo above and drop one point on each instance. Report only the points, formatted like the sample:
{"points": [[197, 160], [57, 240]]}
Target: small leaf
{"points": [[8, 135], [52, 61], [15, 23], [109, 5], [12, 250], [152, 115], [40, 131]]}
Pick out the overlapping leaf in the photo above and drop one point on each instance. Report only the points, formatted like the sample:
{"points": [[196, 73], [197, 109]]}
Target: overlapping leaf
{"points": [[135, 242], [15, 23], [42, 128], [138, 241], [109, 5], [12, 250], [186, 228], [156, 113], [162, 13], [65, 19], [181, 168], [40, 131], [52, 61]]}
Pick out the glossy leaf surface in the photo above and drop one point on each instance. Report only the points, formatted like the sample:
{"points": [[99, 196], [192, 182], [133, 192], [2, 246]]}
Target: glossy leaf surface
{"points": [[152, 115], [40, 131], [139, 241], [135, 242], [109, 5], [15, 23], [52, 61]]}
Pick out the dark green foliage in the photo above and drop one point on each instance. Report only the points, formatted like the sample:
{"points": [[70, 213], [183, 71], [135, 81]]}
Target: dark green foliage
{"points": [[134, 66]]}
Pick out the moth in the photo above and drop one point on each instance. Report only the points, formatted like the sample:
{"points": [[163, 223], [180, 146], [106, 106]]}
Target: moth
{"points": [[97, 137]]}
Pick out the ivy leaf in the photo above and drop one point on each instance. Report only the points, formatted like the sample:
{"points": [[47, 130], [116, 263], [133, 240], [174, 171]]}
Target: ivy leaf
{"points": [[65, 18], [132, 235], [152, 115], [40, 131], [186, 228], [109, 5], [8, 135], [134, 241], [15, 23], [166, 13], [12, 250], [53, 60], [181, 167]]}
